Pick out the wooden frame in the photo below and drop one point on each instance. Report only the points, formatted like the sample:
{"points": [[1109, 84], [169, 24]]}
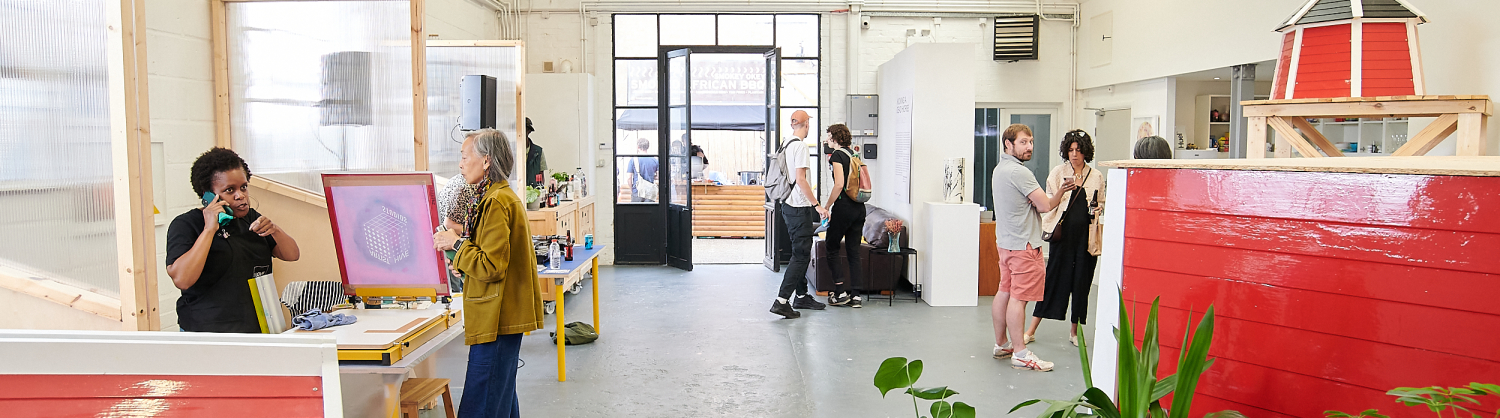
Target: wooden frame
{"points": [[219, 29], [517, 142], [1468, 116], [130, 139]]}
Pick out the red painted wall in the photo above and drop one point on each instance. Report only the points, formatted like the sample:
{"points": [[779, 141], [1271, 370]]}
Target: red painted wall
{"points": [[1283, 64], [25, 396], [1323, 67], [1386, 60], [1330, 288]]}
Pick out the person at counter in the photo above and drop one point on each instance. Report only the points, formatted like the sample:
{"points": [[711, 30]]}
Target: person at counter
{"points": [[501, 300], [536, 160], [211, 261]]}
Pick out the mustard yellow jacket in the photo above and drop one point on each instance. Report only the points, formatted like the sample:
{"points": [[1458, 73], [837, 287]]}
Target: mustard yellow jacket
{"points": [[499, 265]]}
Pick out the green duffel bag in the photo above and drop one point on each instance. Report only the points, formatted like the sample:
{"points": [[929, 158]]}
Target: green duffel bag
{"points": [[577, 333]]}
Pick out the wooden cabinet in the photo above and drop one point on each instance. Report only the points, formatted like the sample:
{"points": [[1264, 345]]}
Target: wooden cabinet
{"points": [[576, 217], [989, 260]]}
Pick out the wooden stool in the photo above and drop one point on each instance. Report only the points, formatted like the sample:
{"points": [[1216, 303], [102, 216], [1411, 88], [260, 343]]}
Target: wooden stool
{"points": [[416, 392]]}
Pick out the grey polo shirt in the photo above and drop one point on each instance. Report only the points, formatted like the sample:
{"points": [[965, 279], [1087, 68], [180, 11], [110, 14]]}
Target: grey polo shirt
{"points": [[1016, 221]]}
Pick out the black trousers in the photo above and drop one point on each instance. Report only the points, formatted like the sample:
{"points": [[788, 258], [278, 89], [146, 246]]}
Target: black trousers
{"points": [[800, 224], [846, 226], [1070, 268]]}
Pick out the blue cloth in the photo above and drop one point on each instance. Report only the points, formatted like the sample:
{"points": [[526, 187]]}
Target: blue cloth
{"points": [[316, 319], [490, 383]]}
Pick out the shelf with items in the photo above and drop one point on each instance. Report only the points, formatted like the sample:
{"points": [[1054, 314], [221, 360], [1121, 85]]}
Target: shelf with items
{"points": [[1208, 129], [1385, 134]]}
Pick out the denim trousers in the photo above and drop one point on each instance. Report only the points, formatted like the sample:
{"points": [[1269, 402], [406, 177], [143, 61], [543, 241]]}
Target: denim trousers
{"points": [[800, 224], [490, 383]]}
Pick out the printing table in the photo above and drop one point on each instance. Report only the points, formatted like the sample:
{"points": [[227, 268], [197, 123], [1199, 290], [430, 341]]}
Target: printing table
{"points": [[571, 272]]}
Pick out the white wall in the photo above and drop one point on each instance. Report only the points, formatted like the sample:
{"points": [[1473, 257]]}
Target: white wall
{"points": [[937, 76], [1155, 97]]}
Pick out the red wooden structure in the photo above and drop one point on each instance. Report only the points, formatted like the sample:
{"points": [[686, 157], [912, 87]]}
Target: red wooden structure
{"points": [[1334, 280], [1350, 48]]}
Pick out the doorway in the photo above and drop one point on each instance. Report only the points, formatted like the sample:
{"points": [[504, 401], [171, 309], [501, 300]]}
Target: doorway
{"points": [[1112, 138], [711, 147], [990, 124]]}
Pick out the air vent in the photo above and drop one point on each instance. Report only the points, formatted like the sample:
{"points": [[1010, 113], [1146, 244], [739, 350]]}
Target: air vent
{"points": [[1016, 37]]}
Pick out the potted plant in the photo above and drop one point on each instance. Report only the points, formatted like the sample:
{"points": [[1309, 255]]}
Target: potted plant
{"points": [[533, 198]]}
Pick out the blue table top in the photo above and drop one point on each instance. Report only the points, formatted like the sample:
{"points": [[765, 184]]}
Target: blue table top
{"points": [[581, 259]]}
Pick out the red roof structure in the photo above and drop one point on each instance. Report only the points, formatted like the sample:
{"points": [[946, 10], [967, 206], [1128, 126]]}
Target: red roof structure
{"points": [[1350, 48]]}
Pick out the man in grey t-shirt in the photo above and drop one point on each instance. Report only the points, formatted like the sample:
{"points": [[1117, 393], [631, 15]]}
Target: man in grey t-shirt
{"points": [[1019, 202]]}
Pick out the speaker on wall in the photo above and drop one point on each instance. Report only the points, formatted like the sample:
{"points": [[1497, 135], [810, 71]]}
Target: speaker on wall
{"points": [[476, 93], [346, 89]]}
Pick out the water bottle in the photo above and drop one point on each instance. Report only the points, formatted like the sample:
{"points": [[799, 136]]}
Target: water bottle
{"points": [[580, 184], [554, 258]]}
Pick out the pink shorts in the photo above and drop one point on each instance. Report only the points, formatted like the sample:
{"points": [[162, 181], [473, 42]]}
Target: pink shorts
{"points": [[1023, 273]]}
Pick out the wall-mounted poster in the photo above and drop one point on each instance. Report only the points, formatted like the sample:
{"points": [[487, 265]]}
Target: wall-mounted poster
{"points": [[1145, 126], [382, 230]]}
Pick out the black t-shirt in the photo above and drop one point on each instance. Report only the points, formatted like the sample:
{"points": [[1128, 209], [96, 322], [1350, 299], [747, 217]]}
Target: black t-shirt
{"points": [[843, 160], [220, 300]]}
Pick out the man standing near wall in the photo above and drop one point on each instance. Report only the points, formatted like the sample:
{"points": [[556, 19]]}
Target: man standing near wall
{"points": [[801, 212], [1019, 200]]}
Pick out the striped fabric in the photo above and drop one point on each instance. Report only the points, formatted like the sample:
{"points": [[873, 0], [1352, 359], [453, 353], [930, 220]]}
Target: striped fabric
{"points": [[320, 295]]}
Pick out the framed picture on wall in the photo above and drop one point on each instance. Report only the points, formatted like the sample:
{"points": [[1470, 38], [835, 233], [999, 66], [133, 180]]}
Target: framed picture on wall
{"points": [[1145, 126]]}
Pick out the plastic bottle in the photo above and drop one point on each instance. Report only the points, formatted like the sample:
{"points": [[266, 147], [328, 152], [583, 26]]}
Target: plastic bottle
{"points": [[554, 256], [581, 183]]}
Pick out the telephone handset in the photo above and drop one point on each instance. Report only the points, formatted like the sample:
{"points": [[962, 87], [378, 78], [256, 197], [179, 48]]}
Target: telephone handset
{"points": [[225, 217]]}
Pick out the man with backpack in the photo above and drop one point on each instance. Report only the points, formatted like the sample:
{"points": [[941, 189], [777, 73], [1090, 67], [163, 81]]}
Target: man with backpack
{"points": [[787, 183]]}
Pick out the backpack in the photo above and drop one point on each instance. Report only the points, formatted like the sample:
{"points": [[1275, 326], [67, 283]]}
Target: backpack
{"points": [[857, 186], [576, 333], [778, 182]]}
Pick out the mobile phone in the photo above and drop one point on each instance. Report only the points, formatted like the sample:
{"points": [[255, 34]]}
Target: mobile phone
{"points": [[1068, 179], [225, 217]]}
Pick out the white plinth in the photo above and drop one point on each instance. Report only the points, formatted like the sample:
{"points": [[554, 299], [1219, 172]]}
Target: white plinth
{"points": [[950, 263]]}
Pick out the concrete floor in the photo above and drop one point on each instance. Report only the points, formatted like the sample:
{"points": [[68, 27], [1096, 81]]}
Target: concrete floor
{"points": [[701, 343], [728, 250]]}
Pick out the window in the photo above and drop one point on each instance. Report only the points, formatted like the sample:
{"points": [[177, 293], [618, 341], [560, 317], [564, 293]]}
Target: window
{"points": [[735, 147], [310, 94], [56, 180]]}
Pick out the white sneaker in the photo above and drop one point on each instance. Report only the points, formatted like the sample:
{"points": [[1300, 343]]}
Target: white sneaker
{"points": [[1030, 362], [1073, 339], [1002, 353]]}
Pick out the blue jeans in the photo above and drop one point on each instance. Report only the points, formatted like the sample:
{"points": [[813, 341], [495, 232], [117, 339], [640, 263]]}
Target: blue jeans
{"points": [[490, 383]]}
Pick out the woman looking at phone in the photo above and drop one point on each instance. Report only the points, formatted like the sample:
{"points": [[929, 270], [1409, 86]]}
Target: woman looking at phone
{"points": [[1070, 267], [211, 259]]}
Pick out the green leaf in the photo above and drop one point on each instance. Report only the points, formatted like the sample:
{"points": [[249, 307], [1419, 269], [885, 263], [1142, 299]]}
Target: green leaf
{"points": [[932, 394], [1372, 413], [1486, 388], [1156, 411], [1164, 387], [1127, 368], [1228, 413], [894, 373], [1023, 405], [962, 410], [1150, 355], [1336, 414], [1100, 403], [942, 409], [1193, 362], [1083, 354]]}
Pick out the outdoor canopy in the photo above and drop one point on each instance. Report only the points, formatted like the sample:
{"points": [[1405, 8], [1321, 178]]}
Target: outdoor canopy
{"points": [[705, 117]]}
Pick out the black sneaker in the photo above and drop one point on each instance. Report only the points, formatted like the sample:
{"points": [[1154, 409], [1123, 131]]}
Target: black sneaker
{"points": [[785, 310], [807, 302], [839, 300], [854, 302]]}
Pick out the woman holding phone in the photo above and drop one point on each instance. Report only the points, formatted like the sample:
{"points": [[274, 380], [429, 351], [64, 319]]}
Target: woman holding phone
{"points": [[212, 258], [1070, 267]]}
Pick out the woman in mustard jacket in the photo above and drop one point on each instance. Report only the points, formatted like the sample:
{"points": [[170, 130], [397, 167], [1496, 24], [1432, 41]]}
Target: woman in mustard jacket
{"points": [[500, 294]]}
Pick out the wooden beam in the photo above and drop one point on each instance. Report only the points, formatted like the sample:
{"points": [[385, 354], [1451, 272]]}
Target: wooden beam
{"points": [[519, 142], [1255, 138], [1313, 136], [130, 143], [1470, 134], [1295, 139], [449, 42], [419, 82], [219, 32], [1426, 108], [63, 294], [1430, 136]]}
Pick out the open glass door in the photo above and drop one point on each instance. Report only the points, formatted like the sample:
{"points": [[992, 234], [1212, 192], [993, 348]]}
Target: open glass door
{"points": [[676, 140], [777, 241]]}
